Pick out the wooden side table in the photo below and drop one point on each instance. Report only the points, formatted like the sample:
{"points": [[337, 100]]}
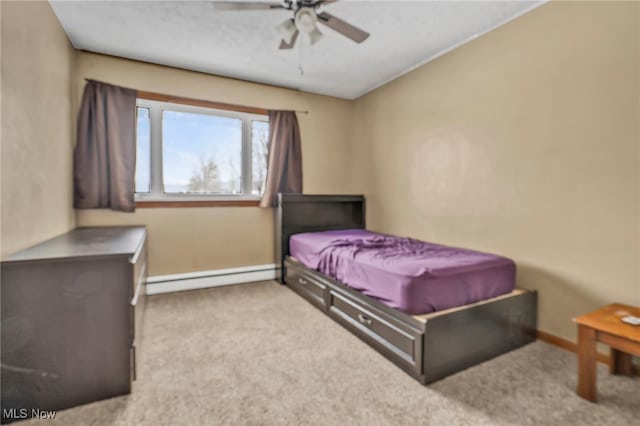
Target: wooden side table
{"points": [[605, 326]]}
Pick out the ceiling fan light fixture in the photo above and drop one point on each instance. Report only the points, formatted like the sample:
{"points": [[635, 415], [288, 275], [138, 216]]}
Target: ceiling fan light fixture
{"points": [[315, 36], [287, 29], [305, 20]]}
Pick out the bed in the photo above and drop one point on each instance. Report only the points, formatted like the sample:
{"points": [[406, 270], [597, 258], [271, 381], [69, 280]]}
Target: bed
{"points": [[427, 336]]}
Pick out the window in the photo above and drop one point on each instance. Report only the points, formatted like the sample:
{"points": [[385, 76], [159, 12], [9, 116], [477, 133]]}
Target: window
{"points": [[143, 151], [192, 153]]}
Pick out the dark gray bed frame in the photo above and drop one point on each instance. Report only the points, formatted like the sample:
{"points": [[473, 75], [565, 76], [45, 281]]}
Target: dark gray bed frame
{"points": [[428, 348]]}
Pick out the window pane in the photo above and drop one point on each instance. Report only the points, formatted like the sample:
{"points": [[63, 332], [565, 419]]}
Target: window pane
{"points": [[201, 154], [259, 152], [143, 151]]}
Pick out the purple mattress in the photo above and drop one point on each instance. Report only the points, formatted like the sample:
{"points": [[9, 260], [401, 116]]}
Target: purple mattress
{"points": [[413, 276]]}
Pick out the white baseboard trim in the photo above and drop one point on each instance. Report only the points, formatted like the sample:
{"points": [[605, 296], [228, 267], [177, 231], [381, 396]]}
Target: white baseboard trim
{"points": [[205, 279]]}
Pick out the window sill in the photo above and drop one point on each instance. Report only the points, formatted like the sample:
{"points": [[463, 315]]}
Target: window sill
{"points": [[142, 204]]}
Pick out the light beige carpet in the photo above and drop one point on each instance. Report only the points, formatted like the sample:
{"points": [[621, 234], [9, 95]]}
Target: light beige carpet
{"points": [[258, 354]]}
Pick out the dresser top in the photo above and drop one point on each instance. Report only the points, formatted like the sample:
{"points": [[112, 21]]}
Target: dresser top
{"points": [[86, 242]]}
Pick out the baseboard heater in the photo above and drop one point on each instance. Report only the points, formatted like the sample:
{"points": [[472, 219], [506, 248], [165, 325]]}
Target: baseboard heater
{"points": [[213, 278]]}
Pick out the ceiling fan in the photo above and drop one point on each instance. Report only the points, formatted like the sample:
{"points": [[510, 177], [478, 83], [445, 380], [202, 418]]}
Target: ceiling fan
{"points": [[305, 19]]}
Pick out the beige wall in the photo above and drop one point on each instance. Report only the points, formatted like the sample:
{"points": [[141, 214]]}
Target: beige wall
{"points": [[524, 142], [36, 136], [194, 239]]}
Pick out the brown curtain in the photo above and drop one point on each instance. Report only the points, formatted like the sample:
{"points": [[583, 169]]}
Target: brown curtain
{"points": [[284, 167], [105, 153]]}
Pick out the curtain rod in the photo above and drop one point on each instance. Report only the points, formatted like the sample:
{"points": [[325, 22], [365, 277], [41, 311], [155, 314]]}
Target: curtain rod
{"points": [[200, 102]]}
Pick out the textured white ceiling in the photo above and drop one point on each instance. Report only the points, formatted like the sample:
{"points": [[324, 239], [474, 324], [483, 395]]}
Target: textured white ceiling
{"points": [[243, 44]]}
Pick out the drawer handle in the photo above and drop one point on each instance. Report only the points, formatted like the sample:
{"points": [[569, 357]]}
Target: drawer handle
{"points": [[303, 281], [364, 319]]}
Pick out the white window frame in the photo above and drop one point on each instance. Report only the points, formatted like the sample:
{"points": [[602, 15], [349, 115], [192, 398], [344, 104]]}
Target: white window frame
{"points": [[155, 145]]}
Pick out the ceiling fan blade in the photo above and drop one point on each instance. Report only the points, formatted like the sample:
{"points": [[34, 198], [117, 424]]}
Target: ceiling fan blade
{"points": [[284, 45], [244, 5], [344, 28]]}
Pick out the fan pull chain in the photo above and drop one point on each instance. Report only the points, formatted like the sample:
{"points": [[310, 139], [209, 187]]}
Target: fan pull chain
{"points": [[301, 55]]}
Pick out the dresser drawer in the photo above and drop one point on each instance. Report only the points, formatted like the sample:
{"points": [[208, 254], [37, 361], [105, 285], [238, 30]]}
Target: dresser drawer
{"points": [[307, 285], [380, 331]]}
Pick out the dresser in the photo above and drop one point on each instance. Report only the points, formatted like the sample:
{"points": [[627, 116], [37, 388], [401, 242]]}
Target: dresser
{"points": [[72, 308]]}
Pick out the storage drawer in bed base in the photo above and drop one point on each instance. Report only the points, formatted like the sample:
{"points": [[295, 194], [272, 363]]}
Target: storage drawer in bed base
{"points": [[430, 347], [399, 342], [307, 285]]}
